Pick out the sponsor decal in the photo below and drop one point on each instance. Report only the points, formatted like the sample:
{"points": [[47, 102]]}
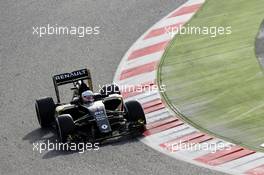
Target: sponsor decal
{"points": [[72, 75], [104, 126]]}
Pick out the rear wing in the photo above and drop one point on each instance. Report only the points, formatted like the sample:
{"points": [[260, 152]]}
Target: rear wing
{"points": [[66, 78]]}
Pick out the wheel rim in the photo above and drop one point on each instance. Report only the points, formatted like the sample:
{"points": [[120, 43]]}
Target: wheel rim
{"points": [[141, 121]]}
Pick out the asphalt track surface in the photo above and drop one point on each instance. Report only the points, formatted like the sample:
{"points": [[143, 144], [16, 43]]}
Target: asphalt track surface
{"points": [[27, 63]]}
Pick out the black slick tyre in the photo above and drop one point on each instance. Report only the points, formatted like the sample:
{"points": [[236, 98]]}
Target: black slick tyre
{"points": [[135, 114], [45, 109], [65, 126]]}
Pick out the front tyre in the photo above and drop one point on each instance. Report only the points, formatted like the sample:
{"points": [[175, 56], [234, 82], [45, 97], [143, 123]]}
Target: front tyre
{"points": [[65, 126], [135, 115], [45, 109]]}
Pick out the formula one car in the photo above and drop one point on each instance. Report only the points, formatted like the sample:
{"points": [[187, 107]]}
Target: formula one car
{"points": [[89, 116]]}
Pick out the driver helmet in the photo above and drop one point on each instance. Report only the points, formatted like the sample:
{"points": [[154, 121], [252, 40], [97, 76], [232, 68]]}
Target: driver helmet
{"points": [[87, 96]]}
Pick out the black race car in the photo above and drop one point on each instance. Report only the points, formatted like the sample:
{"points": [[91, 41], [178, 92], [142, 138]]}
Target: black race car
{"points": [[89, 116]]}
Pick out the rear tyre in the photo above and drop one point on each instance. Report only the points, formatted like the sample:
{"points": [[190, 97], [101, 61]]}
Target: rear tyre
{"points": [[135, 115], [45, 109], [109, 89], [65, 127]]}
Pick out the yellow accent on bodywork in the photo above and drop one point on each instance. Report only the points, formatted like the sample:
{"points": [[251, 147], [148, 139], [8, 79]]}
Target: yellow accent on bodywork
{"points": [[61, 108]]}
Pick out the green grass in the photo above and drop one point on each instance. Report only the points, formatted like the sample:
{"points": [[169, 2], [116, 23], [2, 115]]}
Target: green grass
{"points": [[216, 83]]}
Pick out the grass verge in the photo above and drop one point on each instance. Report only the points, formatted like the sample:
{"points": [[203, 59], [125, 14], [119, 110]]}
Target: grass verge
{"points": [[216, 84]]}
